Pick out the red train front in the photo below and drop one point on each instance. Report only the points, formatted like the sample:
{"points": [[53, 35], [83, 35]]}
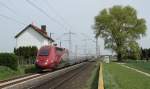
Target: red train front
{"points": [[48, 57]]}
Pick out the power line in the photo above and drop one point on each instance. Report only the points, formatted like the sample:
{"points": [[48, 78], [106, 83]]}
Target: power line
{"points": [[70, 40], [58, 14], [11, 10], [85, 46], [45, 13], [12, 19], [96, 43], [4, 5]]}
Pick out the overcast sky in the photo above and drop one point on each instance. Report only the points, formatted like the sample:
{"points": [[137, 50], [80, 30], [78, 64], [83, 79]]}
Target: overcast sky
{"points": [[63, 15]]}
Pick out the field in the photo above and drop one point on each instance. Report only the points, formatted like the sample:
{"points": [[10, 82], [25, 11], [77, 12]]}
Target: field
{"points": [[140, 65], [119, 77]]}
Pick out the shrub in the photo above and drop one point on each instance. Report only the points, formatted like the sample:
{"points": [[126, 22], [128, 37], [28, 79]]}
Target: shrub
{"points": [[8, 59], [31, 69], [26, 52]]}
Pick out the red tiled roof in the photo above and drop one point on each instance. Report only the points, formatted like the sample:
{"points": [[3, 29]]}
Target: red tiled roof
{"points": [[40, 31]]}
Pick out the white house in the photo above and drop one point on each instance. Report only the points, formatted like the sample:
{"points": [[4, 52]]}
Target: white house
{"points": [[33, 36]]}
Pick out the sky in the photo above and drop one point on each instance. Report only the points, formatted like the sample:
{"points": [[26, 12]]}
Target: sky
{"points": [[62, 16]]}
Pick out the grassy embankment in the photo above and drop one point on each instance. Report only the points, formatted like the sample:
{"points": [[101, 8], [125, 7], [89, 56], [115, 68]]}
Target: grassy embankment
{"points": [[119, 77], [140, 65], [92, 82], [7, 73]]}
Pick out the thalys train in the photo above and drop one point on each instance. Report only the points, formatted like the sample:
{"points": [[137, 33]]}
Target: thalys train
{"points": [[50, 57]]}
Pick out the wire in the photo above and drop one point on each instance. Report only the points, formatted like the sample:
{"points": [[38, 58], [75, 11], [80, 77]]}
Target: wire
{"points": [[4, 5], [58, 14], [12, 19], [45, 13]]}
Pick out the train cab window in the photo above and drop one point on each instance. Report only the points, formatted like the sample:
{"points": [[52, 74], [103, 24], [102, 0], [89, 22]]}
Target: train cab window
{"points": [[44, 52], [59, 50]]}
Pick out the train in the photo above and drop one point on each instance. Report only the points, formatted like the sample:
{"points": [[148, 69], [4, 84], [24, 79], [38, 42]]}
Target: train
{"points": [[49, 57]]}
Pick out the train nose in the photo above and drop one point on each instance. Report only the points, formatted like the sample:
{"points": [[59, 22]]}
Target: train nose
{"points": [[42, 63]]}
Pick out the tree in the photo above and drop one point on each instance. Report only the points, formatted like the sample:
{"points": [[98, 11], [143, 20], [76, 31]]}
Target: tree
{"points": [[120, 28], [135, 51]]}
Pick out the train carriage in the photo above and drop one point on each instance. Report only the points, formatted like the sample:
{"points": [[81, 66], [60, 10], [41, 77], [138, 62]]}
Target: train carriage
{"points": [[49, 57]]}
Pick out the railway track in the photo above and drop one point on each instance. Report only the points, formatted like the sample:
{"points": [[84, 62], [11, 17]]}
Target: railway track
{"points": [[32, 80], [71, 77], [17, 80], [60, 80]]}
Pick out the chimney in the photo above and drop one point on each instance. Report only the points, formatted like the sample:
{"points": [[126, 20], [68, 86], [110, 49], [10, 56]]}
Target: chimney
{"points": [[43, 27]]}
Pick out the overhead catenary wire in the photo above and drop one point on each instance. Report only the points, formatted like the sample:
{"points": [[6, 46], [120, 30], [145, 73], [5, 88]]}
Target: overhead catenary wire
{"points": [[45, 13], [12, 19], [12, 11], [95, 41], [7, 7], [58, 14]]}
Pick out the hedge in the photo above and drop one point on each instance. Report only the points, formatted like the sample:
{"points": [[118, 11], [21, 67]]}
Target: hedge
{"points": [[26, 52], [9, 60]]}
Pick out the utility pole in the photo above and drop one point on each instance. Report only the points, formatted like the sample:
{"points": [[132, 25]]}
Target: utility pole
{"points": [[85, 46], [97, 47], [70, 41], [76, 52], [60, 43], [51, 34], [99, 50]]}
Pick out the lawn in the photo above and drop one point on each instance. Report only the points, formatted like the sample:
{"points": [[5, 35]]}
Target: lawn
{"points": [[6, 72], [119, 77], [141, 65]]}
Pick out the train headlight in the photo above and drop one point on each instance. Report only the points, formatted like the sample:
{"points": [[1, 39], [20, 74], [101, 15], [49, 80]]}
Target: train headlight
{"points": [[52, 61], [46, 60], [37, 60], [46, 63]]}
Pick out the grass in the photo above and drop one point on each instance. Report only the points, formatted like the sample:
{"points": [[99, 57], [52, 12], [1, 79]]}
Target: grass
{"points": [[92, 82], [119, 77], [141, 65], [7, 73]]}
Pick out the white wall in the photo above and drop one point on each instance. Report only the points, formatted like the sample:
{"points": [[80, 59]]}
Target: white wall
{"points": [[31, 38]]}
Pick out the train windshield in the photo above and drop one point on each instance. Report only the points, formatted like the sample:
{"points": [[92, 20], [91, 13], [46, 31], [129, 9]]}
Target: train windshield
{"points": [[59, 50], [44, 52]]}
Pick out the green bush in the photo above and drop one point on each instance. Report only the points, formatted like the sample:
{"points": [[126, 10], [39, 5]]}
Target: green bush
{"points": [[31, 69], [26, 52], [8, 59], [26, 55]]}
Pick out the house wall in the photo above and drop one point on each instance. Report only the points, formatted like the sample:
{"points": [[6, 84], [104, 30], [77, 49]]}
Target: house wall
{"points": [[31, 38]]}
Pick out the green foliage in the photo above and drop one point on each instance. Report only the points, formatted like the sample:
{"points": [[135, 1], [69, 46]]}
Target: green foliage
{"points": [[145, 54], [26, 52], [135, 51], [120, 27], [7, 73], [26, 55], [8, 59], [31, 69]]}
